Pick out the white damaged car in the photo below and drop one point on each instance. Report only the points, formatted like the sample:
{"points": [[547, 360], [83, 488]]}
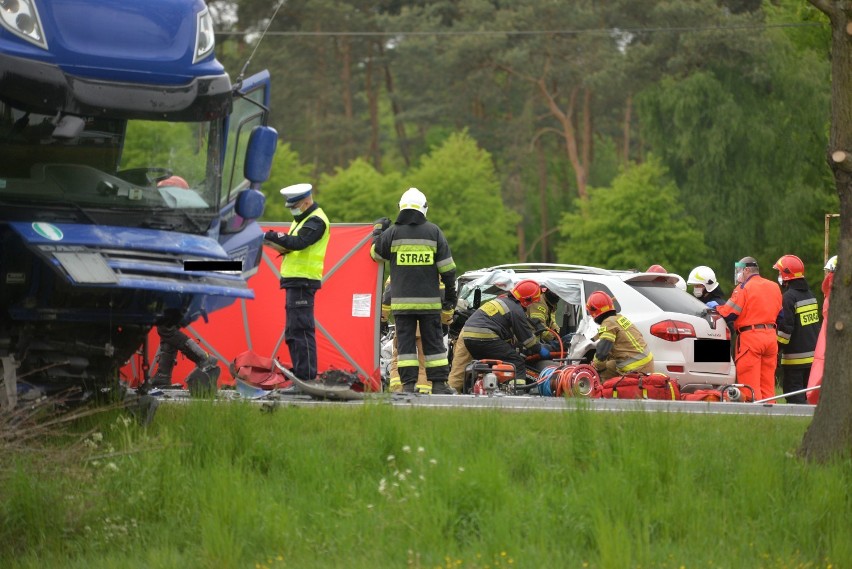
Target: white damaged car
{"points": [[690, 342]]}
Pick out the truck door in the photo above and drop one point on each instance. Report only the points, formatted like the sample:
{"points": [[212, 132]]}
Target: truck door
{"points": [[242, 238]]}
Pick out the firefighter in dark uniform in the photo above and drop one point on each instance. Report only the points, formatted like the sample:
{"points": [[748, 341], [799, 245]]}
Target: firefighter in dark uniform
{"points": [[493, 331], [304, 250], [419, 257], [797, 326]]}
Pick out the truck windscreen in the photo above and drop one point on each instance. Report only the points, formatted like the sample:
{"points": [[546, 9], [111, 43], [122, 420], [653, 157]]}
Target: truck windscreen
{"points": [[110, 163]]}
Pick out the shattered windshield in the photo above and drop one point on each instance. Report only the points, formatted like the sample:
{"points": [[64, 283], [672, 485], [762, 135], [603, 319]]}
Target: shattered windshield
{"points": [[165, 169]]}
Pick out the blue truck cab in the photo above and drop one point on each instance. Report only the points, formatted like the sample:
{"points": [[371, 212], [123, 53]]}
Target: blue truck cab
{"points": [[130, 168]]}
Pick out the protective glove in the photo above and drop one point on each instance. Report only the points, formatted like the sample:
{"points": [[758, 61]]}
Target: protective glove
{"points": [[544, 353], [447, 316], [380, 225], [712, 304], [269, 235]]}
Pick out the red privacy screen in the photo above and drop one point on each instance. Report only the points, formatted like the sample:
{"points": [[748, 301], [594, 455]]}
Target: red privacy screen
{"points": [[347, 314]]}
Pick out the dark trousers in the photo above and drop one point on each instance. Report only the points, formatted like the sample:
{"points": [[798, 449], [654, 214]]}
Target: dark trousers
{"points": [[794, 379], [299, 331], [497, 350], [434, 351]]}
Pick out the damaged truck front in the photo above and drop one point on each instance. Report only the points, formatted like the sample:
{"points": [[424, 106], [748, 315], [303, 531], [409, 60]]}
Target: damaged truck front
{"points": [[130, 168]]}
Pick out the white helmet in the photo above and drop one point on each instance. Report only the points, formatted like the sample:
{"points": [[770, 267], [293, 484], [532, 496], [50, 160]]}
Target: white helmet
{"points": [[831, 265], [413, 199], [703, 276]]}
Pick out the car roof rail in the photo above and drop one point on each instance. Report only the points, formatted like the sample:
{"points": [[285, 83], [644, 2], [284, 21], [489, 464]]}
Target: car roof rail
{"points": [[539, 267]]}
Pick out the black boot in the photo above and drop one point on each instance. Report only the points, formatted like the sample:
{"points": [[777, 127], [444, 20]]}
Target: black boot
{"points": [[410, 387], [166, 357], [441, 388]]}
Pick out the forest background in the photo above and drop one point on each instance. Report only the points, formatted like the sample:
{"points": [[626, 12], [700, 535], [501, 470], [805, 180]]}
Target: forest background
{"points": [[613, 133]]}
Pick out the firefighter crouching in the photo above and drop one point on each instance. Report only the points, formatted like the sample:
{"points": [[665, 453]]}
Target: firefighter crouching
{"points": [[489, 332], [621, 348]]}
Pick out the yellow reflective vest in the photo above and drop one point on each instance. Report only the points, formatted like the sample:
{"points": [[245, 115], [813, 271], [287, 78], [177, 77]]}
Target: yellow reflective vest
{"points": [[307, 263]]}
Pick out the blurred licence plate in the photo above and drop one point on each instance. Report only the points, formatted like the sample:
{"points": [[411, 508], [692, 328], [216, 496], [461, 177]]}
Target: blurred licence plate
{"points": [[712, 351]]}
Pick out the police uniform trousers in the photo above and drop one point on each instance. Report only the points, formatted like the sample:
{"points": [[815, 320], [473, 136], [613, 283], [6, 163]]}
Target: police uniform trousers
{"points": [[795, 378], [299, 331], [432, 338]]}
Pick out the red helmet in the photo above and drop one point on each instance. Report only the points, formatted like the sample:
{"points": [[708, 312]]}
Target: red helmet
{"points": [[790, 267], [656, 269], [527, 292], [599, 303]]}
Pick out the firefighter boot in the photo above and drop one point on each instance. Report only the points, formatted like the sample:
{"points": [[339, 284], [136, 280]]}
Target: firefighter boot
{"points": [[166, 357], [202, 381], [410, 387], [441, 388]]}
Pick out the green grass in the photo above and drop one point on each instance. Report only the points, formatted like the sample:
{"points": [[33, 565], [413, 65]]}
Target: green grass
{"points": [[378, 486]]}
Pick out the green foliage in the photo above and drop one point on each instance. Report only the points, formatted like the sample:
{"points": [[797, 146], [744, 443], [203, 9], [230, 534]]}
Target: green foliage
{"points": [[636, 223], [380, 486], [463, 192], [287, 170], [359, 193], [154, 144]]}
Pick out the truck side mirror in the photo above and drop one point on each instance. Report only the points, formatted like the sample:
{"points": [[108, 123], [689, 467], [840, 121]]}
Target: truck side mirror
{"points": [[250, 203], [261, 149]]}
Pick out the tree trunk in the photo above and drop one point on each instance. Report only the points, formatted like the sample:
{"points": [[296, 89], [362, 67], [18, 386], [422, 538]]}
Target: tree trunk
{"points": [[542, 200], [588, 135], [402, 140], [373, 106], [566, 120], [829, 436], [346, 81], [628, 113]]}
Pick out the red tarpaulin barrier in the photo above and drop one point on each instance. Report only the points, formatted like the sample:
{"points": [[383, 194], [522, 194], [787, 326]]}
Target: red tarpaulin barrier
{"points": [[346, 312]]}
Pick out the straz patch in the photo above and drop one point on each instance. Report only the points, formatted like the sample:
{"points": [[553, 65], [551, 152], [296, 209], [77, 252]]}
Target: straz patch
{"points": [[624, 323], [810, 317], [415, 258]]}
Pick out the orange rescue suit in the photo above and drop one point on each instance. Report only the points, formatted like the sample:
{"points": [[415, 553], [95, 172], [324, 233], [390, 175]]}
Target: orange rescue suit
{"points": [[753, 308]]}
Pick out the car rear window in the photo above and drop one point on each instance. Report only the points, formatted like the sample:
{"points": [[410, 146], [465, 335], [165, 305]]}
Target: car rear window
{"points": [[670, 298]]}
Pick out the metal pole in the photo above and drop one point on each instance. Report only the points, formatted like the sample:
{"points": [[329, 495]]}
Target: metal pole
{"points": [[791, 393]]}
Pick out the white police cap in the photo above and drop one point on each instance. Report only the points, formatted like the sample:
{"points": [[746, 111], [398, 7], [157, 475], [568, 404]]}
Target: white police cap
{"points": [[296, 193]]}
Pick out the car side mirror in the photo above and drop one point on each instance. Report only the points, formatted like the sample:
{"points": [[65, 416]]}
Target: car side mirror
{"points": [[261, 149]]}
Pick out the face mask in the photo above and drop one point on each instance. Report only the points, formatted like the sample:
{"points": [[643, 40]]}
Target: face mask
{"points": [[295, 211], [697, 292]]}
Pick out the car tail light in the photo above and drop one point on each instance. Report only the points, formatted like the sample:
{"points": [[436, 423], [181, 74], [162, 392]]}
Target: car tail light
{"points": [[673, 330], [675, 369]]}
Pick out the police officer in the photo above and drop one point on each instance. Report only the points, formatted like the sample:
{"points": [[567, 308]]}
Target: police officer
{"points": [[419, 256], [302, 269], [753, 311], [798, 326]]}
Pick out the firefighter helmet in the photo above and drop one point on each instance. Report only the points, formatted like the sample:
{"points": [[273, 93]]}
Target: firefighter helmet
{"points": [[656, 269], [413, 199], [704, 276], [527, 292], [790, 267], [831, 265], [599, 303]]}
